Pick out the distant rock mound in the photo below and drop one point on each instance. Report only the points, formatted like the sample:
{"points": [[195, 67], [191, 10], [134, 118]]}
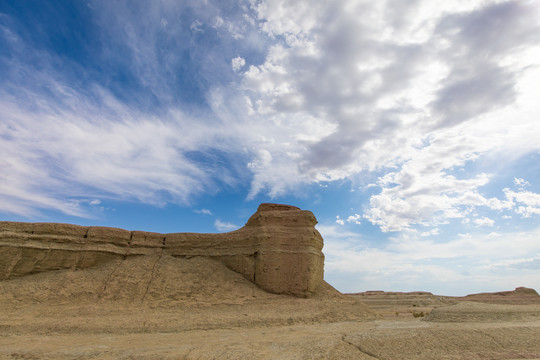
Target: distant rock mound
{"points": [[278, 249], [520, 295], [519, 291]]}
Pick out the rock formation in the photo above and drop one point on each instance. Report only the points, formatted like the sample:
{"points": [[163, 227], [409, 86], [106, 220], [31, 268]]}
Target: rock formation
{"points": [[278, 249]]}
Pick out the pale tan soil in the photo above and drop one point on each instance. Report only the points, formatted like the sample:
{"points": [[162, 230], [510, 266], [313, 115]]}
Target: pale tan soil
{"points": [[399, 305], [381, 339], [178, 308]]}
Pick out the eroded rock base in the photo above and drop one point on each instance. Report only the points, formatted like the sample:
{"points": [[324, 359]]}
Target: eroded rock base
{"points": [[279, 249]]}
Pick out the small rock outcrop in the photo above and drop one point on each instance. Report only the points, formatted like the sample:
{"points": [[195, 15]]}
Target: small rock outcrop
{"points": [[278, 249]]}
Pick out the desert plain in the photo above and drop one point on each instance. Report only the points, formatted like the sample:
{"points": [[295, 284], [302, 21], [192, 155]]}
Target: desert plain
{"points": [[199, 309], [165, 303]]}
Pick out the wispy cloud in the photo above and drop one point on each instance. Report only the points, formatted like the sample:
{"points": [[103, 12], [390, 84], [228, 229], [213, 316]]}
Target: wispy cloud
{"points": [[530, 263], [64, 153], [69, 131], [225, 226]]}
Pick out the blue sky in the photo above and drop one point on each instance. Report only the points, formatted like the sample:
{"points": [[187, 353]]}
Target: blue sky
{"points": [[410, 129]]}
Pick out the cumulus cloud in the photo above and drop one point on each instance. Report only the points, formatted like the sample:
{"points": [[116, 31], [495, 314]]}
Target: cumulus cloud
{"points": [[525, 203], [352, 219], [484, 221], [384, 93], [238, 63], [355, 219]]}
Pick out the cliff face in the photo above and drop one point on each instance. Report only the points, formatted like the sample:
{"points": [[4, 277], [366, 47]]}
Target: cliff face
{"points": [[279, 249]]}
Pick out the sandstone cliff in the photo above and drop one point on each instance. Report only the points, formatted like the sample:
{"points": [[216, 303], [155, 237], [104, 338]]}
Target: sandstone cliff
{"points": [[278, 249]]}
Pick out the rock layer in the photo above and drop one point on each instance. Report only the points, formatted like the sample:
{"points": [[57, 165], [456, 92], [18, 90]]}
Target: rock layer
{"points": [[278, 249]]}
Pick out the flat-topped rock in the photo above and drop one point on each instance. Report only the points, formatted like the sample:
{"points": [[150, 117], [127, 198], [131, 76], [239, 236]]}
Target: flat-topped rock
{"points": [[279, 249]]}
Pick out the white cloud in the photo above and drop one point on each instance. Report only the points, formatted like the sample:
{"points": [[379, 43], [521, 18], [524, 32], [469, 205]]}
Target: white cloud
{"points": [[484, 221], [521, 183], [359, 74], [238, 63], [423, 193], [464, 264], [68, 150], [225, 226], [66, 130], [203, 211], [524, 197], [527, 203], [196, 26], [432, 232], [354, 219], [524, 263], [235, 29], [527, 211]]}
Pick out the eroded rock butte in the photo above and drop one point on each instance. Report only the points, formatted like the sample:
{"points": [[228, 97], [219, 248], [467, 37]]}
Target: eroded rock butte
{"points": [[278, 249]]}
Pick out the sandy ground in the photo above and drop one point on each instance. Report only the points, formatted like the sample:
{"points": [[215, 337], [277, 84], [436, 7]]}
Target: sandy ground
{"points": [[171, 308]]}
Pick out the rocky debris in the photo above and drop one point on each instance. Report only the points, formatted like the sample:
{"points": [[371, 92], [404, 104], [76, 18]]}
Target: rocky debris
{"points": [[278, 249]]}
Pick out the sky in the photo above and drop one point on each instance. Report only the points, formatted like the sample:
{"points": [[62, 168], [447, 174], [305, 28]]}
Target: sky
{"points": [[409, 128]]}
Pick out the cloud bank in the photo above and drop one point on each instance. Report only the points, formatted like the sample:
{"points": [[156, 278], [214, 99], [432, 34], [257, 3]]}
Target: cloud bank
{"points": [[161, 102], [458, 266]]}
